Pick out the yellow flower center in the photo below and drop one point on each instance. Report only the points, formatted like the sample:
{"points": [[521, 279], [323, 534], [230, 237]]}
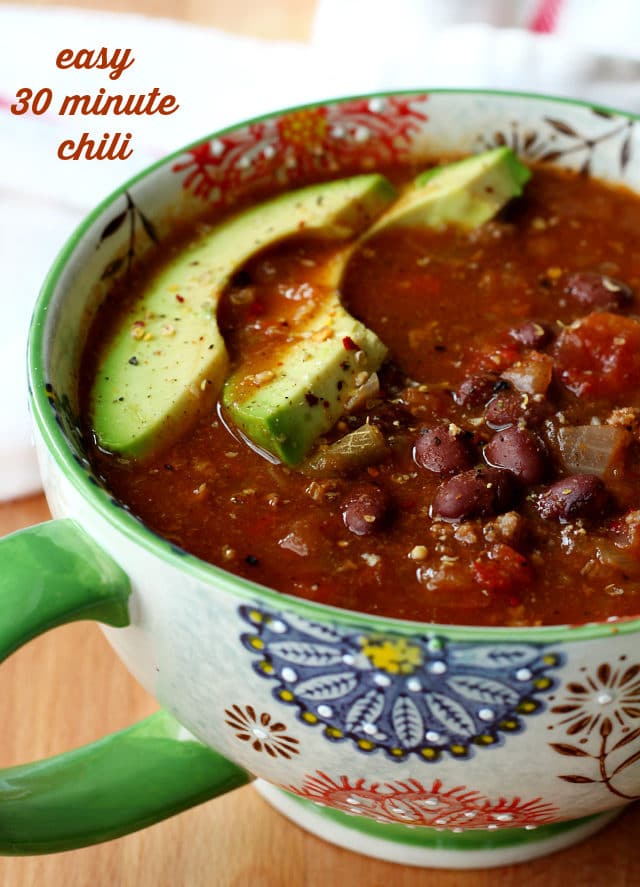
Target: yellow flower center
{"points": [[305, 128], [398, 656]]}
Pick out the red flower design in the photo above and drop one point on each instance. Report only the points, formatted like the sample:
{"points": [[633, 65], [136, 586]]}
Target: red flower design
{"points": [[306, 128], [411, 803], [290, 149]]}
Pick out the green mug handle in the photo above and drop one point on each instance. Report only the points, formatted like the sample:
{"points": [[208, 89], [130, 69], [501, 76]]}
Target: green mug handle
{"points": [[52, 574]]}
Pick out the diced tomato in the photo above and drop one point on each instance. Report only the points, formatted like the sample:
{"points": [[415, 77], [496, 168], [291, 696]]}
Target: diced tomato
{"points": [[452, 585], [600, 356], [502, 569]]}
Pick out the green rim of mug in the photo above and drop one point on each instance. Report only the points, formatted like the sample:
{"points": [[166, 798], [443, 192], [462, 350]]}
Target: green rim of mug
{"points": [[445, 839]]}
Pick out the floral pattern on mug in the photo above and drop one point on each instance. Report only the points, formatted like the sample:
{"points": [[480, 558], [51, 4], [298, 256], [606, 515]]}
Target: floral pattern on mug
{"points": [[262, 731], [421, 696], [554, 138], [137, 224], [412, 803], [602, 713], [360, 134]]}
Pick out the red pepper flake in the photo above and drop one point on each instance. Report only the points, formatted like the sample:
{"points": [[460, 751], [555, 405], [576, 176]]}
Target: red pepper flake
{"points": [[138, 323], [256, 308], [311, 399], [179, 297], [349, 344]]}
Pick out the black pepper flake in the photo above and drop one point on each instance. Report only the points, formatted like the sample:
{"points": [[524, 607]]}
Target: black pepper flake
{"points": [[501, 385], [241, 279], [439, 347], [311, 399], [340, 385], [133, 361], [252, 560], [169, 467]]}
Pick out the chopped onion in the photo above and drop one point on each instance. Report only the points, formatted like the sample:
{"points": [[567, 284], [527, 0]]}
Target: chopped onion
{"points": [[368, 391], [358, 449], [592, 449], [296, 544], [532, 375], [622, 559]]}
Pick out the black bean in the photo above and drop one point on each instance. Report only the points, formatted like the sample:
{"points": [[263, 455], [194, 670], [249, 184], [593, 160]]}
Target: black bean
{"points": [[476, 493], [365, 509], [520, 452], [509, 407], [580, 495], [532, 334], [598, 292], [476, 390], [444, 449]]}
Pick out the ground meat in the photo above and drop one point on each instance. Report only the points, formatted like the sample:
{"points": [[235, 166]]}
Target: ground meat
{"points": [[467, 532], [508, 528], [322, 490], [626, 417]]}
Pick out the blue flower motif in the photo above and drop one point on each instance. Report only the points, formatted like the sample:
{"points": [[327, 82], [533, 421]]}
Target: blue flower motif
{"points": [[405, 695]]}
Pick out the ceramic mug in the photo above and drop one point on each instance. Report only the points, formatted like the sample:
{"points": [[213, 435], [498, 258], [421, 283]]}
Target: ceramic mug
{"points": [[425, 744]]}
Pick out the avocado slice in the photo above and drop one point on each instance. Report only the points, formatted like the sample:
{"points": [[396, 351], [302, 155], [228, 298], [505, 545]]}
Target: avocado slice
{"points": [[467, 193], [167, 361], [285, 410]]}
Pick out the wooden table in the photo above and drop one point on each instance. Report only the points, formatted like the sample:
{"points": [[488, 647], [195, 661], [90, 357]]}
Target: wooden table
{"points": [[68, 687]]}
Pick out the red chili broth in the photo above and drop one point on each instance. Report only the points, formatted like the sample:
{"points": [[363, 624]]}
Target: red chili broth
{"points": [[444, 302]]}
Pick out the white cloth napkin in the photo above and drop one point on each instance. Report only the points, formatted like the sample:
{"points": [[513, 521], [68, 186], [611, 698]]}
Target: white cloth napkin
{"points": [[217, 79], [357, 46]]}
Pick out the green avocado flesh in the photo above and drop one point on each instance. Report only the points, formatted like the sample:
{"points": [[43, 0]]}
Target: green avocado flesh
{"points": [[332, 354], [467, 193], [305, 392], [167, 361], [157, 377]]}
